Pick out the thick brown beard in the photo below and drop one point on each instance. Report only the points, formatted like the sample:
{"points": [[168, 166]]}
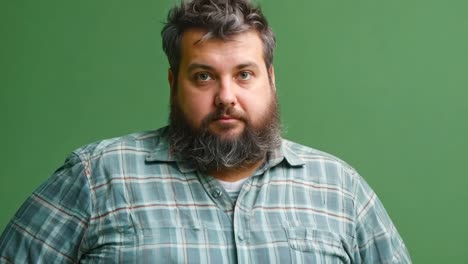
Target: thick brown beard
{"points": [[208, 151]]}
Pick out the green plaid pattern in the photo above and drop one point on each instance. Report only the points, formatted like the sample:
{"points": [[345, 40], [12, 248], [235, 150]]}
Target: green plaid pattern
{"points": [[128, 200]]}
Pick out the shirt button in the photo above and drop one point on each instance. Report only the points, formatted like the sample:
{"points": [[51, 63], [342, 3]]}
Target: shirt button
{"points": [[216, 193], [240, 237]]}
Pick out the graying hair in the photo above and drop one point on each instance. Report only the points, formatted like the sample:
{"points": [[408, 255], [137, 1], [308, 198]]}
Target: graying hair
{"points": [[208, 152], [221, 19]]}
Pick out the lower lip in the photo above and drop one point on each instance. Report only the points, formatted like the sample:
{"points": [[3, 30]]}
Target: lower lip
{"points": [[226, 120]]}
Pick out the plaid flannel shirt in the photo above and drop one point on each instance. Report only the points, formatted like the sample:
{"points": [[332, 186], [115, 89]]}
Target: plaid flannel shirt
{"points": [[128, 200]]}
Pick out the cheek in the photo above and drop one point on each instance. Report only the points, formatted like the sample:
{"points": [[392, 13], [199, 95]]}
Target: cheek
{"points": [[256, 105], [195, 106]]}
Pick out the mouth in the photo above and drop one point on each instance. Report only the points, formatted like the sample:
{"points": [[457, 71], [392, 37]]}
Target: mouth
{"points": [[226, 119]]}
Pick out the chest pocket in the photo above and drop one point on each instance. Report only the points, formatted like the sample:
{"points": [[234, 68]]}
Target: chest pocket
{"points": [[315, 246], [192, 243]]}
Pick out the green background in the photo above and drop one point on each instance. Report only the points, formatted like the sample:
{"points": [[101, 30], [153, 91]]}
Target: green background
{"points": [[381, 84]]}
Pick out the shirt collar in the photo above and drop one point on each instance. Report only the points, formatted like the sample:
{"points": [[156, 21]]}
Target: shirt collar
{"points": [[282, 153], [162, 153], [161, 150]]}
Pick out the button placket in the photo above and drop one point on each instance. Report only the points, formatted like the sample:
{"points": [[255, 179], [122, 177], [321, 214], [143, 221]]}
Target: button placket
{"points": [[243, 216], [216, 193]]}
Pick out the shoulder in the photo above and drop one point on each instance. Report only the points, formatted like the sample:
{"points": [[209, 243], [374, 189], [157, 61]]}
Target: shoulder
{"points": [[311, 155], [320, 167], [138, 143], [104, 161]]}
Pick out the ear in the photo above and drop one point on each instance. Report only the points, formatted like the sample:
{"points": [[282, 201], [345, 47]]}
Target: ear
{"points": [[272, 76], [170, 78]]}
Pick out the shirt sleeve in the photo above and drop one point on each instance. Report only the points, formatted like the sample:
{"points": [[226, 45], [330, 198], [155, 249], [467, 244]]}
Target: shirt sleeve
{"points": [[50, 226], [377, 238]]}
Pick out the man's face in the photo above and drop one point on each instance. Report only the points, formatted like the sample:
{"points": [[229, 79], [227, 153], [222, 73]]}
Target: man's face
{"points": [[223, 83]]}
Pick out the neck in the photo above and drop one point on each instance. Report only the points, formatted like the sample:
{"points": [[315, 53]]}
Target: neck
{"points": [[236, 174]]}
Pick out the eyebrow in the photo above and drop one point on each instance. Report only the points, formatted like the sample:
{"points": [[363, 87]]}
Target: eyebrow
{"points": [[248, 65], [194, 66]]}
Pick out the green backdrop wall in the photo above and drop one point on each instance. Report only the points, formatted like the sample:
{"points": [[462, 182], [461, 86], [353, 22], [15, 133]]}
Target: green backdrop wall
{"points": [[381, 84]]}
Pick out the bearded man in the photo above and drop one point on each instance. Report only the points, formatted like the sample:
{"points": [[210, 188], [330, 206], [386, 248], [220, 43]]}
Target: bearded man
{"points": [[218, 184]]}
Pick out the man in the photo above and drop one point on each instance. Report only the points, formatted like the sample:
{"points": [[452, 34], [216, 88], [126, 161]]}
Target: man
{"points": [[219, 184]]}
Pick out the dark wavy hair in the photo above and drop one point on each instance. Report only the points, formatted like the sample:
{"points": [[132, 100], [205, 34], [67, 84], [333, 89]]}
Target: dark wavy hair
{"points": [[221, 19]]}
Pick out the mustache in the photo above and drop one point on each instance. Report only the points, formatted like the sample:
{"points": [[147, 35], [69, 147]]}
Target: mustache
{"points": [[225, 112]]}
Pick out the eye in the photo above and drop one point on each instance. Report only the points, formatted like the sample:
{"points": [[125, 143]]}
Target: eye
{"points": [[203, 76], [245, 75]]}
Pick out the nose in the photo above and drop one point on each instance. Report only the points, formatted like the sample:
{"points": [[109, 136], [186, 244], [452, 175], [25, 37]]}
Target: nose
{"points": [[226, 95]]}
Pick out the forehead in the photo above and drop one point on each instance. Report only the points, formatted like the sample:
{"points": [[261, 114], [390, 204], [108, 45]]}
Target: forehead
{"points": [[243, 46]]}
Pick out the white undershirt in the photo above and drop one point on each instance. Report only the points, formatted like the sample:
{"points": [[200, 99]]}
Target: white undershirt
{"points": [[233, 188]]}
